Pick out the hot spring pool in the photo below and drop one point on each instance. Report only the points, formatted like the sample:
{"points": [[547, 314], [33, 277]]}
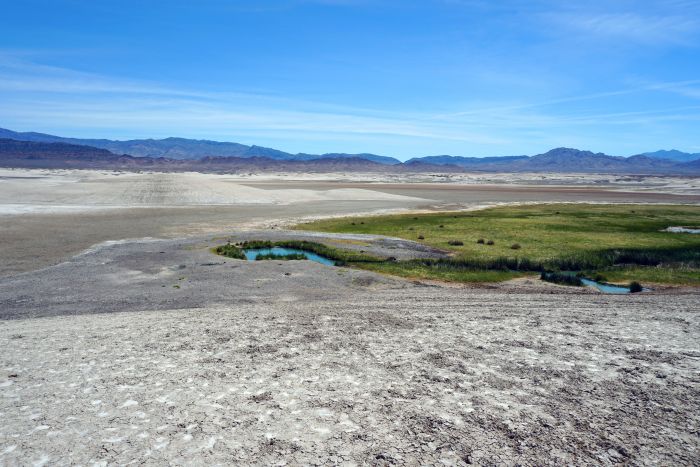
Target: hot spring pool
{"points": [[281, 251]]}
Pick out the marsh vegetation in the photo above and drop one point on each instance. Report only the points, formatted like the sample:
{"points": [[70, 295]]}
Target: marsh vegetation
{"points": [[617, 241]]}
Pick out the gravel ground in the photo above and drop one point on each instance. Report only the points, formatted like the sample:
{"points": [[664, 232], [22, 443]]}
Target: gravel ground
{"points": [[419, 375], [105, 361]]}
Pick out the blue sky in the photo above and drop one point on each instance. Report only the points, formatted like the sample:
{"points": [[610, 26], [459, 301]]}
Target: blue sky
{"points": [[400, 78]]}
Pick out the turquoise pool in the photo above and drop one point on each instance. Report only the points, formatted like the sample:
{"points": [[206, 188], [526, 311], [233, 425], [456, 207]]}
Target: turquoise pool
{"points": [[606, 288], [281, 251]]}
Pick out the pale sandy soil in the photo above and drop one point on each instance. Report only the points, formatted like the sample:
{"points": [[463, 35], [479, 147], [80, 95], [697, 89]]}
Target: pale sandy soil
{"points": [[123, 189], [71, 190], [657, 183]]}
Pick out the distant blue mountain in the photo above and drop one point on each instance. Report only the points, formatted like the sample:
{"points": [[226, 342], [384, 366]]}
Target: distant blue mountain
{"points": [[466, 161], [673, 155], [339, 155], [186, 149], [182, 153]]}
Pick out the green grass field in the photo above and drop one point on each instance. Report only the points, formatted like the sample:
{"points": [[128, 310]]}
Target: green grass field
{"points": [[622, 242]]}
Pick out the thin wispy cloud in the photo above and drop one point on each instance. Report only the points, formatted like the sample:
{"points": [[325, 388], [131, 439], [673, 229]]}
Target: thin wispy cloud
{"points": [[679, 87], [24, 76], [646, 29], [41, 93], [99, 101]]}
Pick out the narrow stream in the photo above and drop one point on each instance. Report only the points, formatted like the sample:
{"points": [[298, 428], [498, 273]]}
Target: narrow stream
{"points": [[252, 254], [606, 288]]}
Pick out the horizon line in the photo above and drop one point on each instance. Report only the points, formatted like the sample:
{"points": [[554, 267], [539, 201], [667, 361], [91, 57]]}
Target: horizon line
{"points": [[336, 152]]}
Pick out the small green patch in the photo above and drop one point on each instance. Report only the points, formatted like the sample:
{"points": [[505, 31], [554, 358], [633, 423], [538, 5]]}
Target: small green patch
{"points": [[229, 250]]}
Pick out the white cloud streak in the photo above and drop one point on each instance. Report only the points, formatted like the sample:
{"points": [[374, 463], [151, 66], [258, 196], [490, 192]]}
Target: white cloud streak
{"points": [[35, 95], [630, 27]]}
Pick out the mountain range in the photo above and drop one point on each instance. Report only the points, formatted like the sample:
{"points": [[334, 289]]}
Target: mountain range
{"points": [[673, 155], [182, 148], [49, 151]]}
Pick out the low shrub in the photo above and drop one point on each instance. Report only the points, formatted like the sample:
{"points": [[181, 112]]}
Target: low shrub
{"points": [[515, 246], [420, 237], [230, 251], [562, 279], [455, 242]]}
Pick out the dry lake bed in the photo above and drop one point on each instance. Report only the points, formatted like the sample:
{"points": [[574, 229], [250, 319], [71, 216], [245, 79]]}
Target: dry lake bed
{"points": [[155, 351]]}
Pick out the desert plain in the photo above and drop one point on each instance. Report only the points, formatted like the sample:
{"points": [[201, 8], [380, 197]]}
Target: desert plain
{"points": [[126, 340]]}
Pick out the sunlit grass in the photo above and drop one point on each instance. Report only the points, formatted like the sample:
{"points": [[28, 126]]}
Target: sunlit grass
{"points": [[560, 236]]}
